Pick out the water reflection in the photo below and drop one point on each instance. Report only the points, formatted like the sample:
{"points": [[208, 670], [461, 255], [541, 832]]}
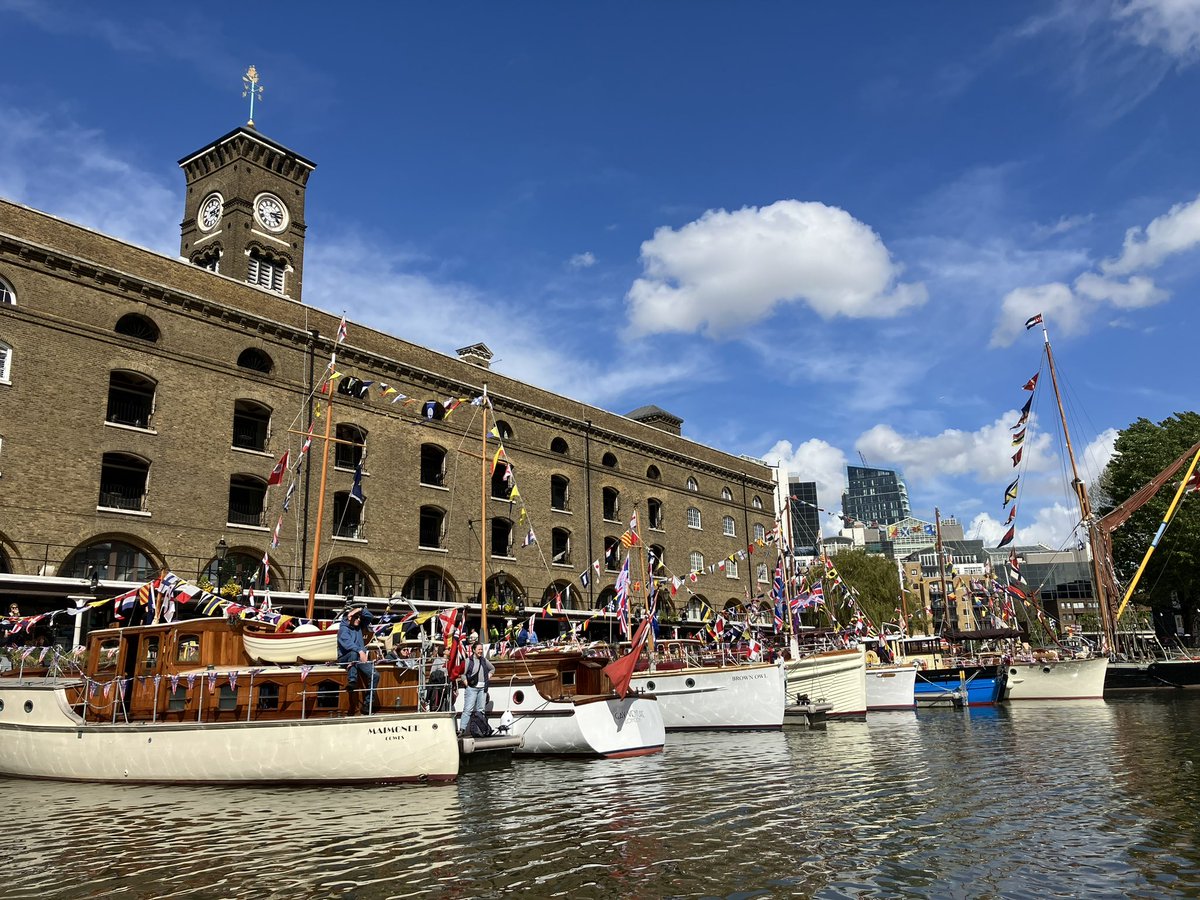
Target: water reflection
{"points": [[1036, 800]]}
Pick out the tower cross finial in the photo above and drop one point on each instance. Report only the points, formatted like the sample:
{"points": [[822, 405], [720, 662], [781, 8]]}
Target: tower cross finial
{"points": [[251, 88]]}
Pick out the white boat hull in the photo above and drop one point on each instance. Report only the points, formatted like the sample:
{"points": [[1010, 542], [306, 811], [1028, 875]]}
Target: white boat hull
{"points": [[837, 677], [746, 697], [1063, 679], [604, 726], [51, 741], [891, 687], [292, 647]]}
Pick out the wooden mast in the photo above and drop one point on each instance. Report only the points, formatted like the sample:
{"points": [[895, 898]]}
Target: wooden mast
{"points": [[316, 557], [937, 522], [483, 527], [1085, 508]]}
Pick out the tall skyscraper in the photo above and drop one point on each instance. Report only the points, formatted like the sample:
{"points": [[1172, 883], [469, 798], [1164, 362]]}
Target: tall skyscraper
{"points": [[806, 522], [874, 496]]}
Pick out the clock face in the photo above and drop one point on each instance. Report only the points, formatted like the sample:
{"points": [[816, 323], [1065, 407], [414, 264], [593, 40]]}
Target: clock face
{"points": [[270, 213], [210, 212]]}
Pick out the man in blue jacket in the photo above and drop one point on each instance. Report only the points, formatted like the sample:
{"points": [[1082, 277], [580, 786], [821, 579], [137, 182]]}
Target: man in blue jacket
{"points": [[353, 650]]}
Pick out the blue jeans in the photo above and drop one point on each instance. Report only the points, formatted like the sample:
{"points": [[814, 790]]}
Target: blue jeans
{"points": [[369, 677], [475, 698]]}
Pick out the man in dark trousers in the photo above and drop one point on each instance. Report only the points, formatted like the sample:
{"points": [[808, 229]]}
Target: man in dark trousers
{"points": [[352, 650], [475, 678]]}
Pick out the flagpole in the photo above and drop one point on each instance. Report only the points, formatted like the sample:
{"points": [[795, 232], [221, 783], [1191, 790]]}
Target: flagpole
{"points": [[483, 493], [316, 557], [937, 521]]}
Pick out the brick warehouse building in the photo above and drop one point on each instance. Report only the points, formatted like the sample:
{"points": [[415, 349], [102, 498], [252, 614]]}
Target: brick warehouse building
{"points": [[145, 399]]}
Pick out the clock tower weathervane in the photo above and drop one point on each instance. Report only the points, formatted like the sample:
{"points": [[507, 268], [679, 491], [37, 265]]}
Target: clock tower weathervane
{"points": [[251, 88]]}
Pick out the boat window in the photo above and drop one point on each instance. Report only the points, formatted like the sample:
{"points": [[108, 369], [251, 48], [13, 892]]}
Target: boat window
{"points": [[268, 695], [327, 695], [109, 651], [518, 698], [228, 698], [568, 679], [189, 648], [178, 698], [150, 655]]}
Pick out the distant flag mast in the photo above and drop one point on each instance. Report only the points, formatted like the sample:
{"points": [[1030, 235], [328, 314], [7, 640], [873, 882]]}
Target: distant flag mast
{"points": [[252, 89]]}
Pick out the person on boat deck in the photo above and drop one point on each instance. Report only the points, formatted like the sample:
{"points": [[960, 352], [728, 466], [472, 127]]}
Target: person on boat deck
{"points": [[475, 678], [352, 650]]}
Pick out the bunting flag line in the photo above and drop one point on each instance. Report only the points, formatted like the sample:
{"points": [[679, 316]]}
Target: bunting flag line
{"points": [[1008, 537], [1012, 514], [1010, 492], [1031, 383], [280, 468], [1017, 456], [1019, 438]]}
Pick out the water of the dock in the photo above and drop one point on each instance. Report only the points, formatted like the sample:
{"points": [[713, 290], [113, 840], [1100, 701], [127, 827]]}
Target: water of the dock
{"points": [[1086, 799]]}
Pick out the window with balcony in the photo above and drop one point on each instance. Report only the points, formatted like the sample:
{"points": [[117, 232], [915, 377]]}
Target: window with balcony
{"points": [[502, 537], [123, 482], [247, 494], [560, 546], [350, 447], [130, 399], [654, 513], [560, 493], [347, 516], [432, 528], [502, 483], [433, 465], [611, 504], [251, 425], [612, 553]]}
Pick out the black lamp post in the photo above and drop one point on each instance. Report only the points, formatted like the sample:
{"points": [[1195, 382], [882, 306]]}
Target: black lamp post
{"points": [[219, 552]]}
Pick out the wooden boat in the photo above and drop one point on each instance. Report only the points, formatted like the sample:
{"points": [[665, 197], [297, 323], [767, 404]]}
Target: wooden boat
{"points": [[837, 677], [562, 704], [293, 647], [182, 703]]}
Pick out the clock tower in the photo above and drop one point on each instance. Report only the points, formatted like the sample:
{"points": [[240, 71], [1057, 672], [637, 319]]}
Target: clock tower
{"points": [[244, 211]]}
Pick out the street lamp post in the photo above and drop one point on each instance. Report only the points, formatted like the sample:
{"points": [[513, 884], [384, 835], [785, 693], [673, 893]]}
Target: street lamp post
{"points": [[219, 553]]}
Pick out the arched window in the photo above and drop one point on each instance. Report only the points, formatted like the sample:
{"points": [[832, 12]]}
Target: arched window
{"points": [[607, 598], [255, 360], [246, 496], [504, 430], [760, 533], [560, 546], [352, 442], [503, 590], [237, 567], [693, 517], [6, 355], [696, 561], [342, 578], [7, 295], [432, 528], [433, 465], [561, 592], [347, 516], [137, 326], [130, 399], [609, 461], [653, 474], [728, 527], [251, 425], [558, 445], [123, 482], [726, 494], [560, 493], [111, 561], [502, 484], [429, 587], [611, 503], [502, 538], [654, 513], [692, 484], [656, 559], [763, 577], [697, 607], [756, 502], [612, 553]]}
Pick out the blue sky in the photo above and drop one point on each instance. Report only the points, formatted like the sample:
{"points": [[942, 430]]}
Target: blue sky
{"points": [[810, 231]]}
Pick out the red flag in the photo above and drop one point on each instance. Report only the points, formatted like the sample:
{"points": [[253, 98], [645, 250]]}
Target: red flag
{"points": [[1012, 514], [1008, 536], [1017, 456], [280, 468], [620, 671], [1031, 383], [1194, 481]]}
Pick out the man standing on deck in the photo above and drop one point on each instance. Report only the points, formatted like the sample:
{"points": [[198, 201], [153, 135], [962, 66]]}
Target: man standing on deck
{"points": [[352, 650], [475, 678]]}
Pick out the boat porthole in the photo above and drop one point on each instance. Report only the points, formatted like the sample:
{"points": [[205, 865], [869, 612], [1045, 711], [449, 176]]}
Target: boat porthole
{"points": [[691, 682], [28, 706], [1, 706], [1046, 669], [649, 685], [518, 697], [1012, 671]]}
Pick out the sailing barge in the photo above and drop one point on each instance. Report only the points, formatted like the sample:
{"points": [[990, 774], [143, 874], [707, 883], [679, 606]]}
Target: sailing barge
{"points": [[183, 703]]}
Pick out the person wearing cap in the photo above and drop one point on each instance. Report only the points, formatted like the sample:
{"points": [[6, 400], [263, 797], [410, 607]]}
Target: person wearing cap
{"points": [[353, 651], [475, 678]]}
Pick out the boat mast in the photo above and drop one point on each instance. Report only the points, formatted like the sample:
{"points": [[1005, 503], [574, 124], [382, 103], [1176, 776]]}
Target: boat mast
{"points": [[1085, 507], [483, 529], [316, 557], [937, 522]]}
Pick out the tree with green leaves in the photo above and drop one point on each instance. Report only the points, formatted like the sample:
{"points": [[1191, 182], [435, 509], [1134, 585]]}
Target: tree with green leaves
{"points": [[1142, 451], [874, 578]]}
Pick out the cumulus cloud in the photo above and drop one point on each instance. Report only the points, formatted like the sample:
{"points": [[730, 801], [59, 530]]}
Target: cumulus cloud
{"points": [[1145, 248], [584, 260], [1135, 293], [1054, 525], [728, 270], [814, 460], [1172, 26]]}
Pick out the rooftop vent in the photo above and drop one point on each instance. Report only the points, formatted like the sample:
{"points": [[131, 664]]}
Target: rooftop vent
{"points": [[476, 355]]}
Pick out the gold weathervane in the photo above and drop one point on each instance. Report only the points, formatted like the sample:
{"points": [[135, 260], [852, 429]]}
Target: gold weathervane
{"points": [[251, 88]]}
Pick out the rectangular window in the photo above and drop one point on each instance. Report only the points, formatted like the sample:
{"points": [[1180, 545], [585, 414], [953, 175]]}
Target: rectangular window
{"points": [[731, 568]]}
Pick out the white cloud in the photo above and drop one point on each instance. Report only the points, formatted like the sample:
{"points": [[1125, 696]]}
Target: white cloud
{"points": [[1145, 248], [584, 260], [814, 460], [1062, 226], [1052, 525], [1097, 454], [728, 270], [1139, 291], [1056, 301], [1171, 25]]}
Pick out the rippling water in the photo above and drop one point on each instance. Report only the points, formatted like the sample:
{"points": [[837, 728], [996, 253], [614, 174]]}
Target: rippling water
{"points": [[1063, 800]]}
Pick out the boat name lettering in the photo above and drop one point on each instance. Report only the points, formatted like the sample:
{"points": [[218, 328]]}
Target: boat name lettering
{"points": [[393, 729], [630, 715], [760, 676]]}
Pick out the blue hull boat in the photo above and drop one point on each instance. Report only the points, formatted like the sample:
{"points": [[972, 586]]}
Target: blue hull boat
{"points": [[960, 686]]}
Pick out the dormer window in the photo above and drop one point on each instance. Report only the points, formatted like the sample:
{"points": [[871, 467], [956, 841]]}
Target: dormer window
{"points": [[265, 272]]}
